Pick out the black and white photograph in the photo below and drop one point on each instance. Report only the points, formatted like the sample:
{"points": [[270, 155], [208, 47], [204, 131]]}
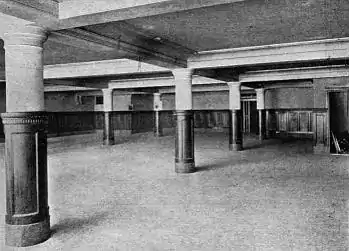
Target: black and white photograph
{"points": [[174, 125]]}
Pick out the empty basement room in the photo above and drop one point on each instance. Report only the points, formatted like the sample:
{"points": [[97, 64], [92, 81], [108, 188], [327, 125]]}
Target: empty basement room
{"points": [[174, 125]]}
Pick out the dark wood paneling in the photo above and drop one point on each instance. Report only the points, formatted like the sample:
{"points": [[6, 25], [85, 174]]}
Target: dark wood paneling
{"points": [[202, 119], [293, 122], [211, 118], [2, 134], [122, 120], [320, 128], [99, 120], [142, 121], [63, 123], [167, 119]]}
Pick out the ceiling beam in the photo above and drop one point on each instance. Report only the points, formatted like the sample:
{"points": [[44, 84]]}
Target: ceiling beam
{"points": [[309, 51], [77, 13], [100, 68], [295, 74], [206, 88], [81, 38], [157, 82], [41, 12], [64, 88]]}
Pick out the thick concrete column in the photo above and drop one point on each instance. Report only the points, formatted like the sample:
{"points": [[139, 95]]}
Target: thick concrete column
{"points": [[184, 154], [157, 109], [261, 113], [108, 132], [27, 220], [235, 128]]}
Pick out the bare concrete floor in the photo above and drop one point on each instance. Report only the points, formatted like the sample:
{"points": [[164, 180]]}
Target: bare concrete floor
{"points": [[278, 196]]}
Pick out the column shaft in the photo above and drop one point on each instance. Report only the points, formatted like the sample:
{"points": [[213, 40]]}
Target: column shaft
{"points": [[267, 124], [235, 131], [261, 112], [184, 152], [235, 128], [157, 121], [27, 220], [108, 132], [261, 123], [158, 128]]}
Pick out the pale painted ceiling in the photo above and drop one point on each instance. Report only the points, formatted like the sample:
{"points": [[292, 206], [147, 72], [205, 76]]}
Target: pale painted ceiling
{"points": [[240, 24], [248, 23]]}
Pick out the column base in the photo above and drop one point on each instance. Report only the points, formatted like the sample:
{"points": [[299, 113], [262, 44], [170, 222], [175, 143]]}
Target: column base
{"points": [[158, 135], [185, 167], [27, 235], [235, 147], [108, 142]]}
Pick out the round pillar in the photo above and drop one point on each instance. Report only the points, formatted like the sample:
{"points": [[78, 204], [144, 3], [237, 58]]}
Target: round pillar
{"points": [[235, 128], [184, 153], [267, 124], [157, 108], [27, 220], [235, 131], [108, 132], [261, 123], [261, 113]]}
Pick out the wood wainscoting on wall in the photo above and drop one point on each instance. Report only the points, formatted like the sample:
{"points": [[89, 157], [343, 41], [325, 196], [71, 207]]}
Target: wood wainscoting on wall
{"points": [[211, 119], [320, 128], [291, 123], [2, 135], [68, 123]]}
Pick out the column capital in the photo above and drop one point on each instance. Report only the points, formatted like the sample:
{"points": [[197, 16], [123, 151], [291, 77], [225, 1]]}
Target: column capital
{"points": [[29, 35], [234, 84], [260, 91], [107, 91], [157, 102], [234, 95], [107, 99], [183, 83], [260, 98], [182, 73], [157, 95]]}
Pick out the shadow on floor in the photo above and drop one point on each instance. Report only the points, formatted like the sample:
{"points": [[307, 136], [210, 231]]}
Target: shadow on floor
{"points": [[228, 162], [75, 225], [258, 144]]}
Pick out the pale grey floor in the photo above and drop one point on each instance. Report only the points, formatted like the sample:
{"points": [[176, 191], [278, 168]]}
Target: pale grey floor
{"points": [[127, 197]]}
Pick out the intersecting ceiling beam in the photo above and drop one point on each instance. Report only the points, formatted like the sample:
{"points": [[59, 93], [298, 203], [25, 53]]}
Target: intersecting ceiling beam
{"points": [[308, 51], [77, 13], [41, 12], [82, 38], [99, 68]]}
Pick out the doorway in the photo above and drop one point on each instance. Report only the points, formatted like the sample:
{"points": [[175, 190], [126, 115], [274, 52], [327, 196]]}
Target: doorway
{"points": [[339, 121], [250, 117]]}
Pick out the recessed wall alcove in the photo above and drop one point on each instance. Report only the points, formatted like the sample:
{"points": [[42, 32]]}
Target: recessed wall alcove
{"points": [[338, 103]]}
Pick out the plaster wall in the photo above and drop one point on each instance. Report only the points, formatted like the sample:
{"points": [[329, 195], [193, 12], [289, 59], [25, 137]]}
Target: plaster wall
{"points": [[68, 102], [289, 98], [142, 102], [121, 102], [201, 101], [320, 89]]}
